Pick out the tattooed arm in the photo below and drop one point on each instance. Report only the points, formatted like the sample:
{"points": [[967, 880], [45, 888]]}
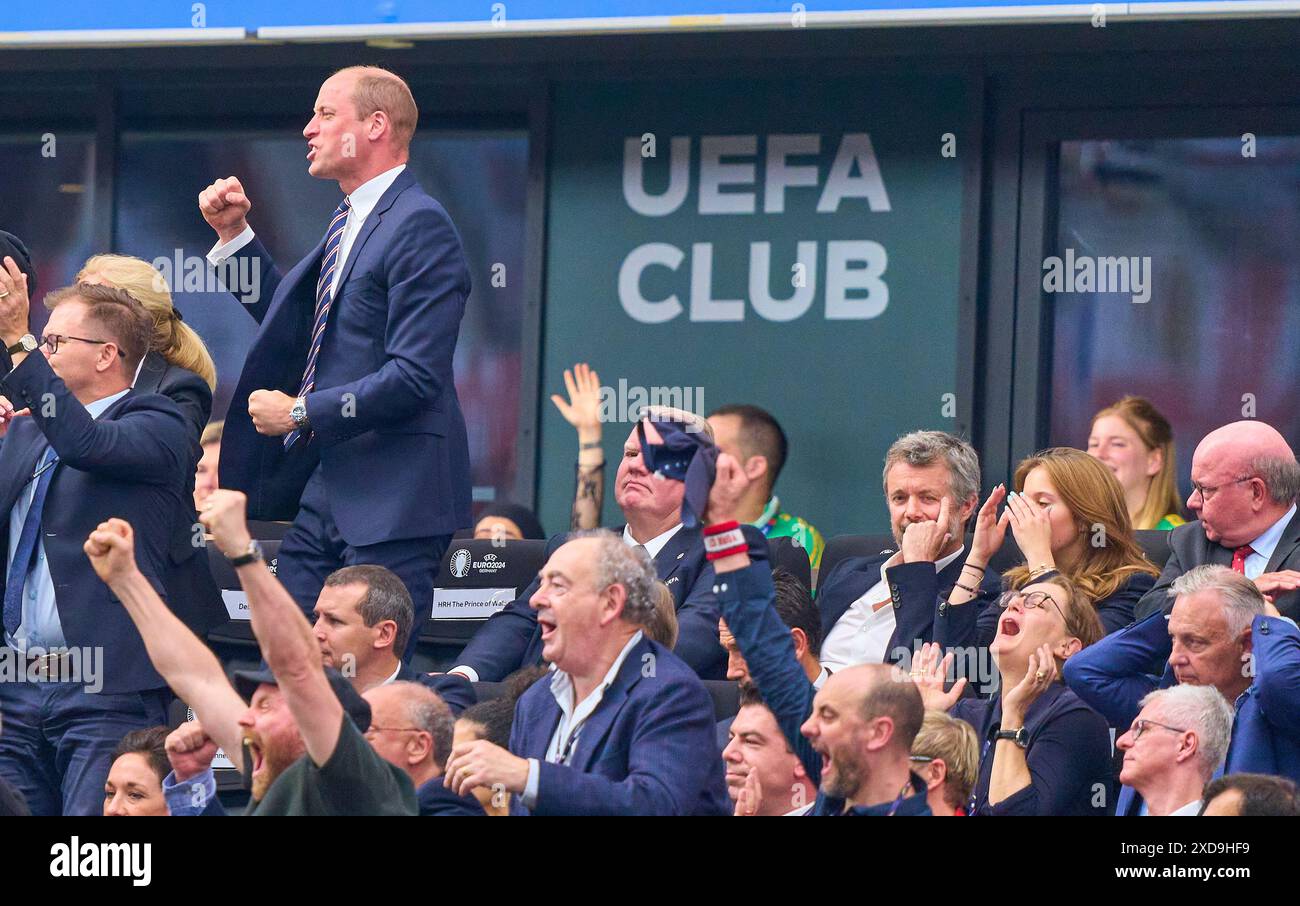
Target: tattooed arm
{"points": [[582, 410]]}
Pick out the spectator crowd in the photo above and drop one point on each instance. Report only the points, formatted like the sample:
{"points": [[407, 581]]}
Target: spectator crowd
{"points": [[1081, 642]]}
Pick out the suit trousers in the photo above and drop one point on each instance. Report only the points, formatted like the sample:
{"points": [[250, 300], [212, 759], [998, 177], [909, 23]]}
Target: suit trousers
{"points": [[57, 742], [313, 548]]}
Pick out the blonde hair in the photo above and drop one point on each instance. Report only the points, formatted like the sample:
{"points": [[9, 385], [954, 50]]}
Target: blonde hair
{"points": [[378, 89], [172, 338], [661, 624], [1094, 497], [1155, 432], [954, 741]]}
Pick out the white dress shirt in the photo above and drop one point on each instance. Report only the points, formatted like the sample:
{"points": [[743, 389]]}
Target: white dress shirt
{"points": [[862, 634], [363, 200], [41, 627], [1265, 544], [653, 547], [565, 738]]}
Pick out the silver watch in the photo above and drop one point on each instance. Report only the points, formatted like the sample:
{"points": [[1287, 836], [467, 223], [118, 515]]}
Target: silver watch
{"points": [[299, 412]]}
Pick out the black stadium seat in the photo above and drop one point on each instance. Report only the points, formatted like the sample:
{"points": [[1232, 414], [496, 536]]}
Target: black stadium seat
{"points": [[784, 554], [477, 578], [237, 631], [1154, 543]]}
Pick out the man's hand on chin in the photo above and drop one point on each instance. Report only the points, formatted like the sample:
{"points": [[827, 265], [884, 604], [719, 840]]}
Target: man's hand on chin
{"points": [[269, 410]]}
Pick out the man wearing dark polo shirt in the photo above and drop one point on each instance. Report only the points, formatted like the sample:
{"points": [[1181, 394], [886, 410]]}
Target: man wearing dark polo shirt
{"points": [[303, 726]]}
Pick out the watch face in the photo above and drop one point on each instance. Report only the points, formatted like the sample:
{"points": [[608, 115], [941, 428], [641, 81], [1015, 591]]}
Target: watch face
{"points": [[28, 342]]}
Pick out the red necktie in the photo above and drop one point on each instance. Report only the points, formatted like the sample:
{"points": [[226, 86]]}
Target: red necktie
{"points": [[1239, 558]]}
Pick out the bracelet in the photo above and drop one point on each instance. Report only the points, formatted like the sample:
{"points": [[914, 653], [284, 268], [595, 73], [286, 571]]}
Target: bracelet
{"points": [[965, 588], [978, 569], [723, 540], [589, 445]]}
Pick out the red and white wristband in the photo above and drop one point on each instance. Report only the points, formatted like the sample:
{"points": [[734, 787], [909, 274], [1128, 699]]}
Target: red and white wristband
{"points": [[723, 540]]}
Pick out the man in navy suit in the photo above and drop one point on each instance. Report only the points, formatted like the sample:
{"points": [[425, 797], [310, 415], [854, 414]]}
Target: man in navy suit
{"points": [[883, 608], [90, 448], [622, 726], [1222, 632], [512, 639], [345, 418]]}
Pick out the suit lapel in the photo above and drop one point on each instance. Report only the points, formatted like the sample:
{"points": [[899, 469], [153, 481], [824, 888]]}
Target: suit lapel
{"points": [[400, 184], [602, 719], [672, 557], [21, 450], [1286, 545]]}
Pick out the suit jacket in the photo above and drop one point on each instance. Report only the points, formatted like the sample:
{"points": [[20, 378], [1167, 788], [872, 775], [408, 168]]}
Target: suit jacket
{"points": [[436, 800], [456, 691], [918, 594], [131, 462], [512, 639], [384, 404], [647, 749], [1116, 673], [190, 587], [1188, 547]]}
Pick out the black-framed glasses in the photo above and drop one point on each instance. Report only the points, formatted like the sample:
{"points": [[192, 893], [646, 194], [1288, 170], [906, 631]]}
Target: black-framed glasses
{"points": [[1030, 601], [1140, 726], [1208, 491], [53, 340]]}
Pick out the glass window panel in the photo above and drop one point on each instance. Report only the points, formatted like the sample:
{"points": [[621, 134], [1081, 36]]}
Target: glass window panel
{"points": [[1222, 325]]}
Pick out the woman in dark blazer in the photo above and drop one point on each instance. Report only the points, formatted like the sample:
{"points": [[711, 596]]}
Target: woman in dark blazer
{"points": [[1042, 750], [179, 367]]}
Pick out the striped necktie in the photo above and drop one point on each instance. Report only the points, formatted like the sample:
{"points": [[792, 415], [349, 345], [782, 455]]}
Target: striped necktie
{"points": [[328, 265]]}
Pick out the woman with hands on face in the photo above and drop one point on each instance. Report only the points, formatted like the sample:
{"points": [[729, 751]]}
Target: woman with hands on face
{"points": [[1042, 750], [1068, 517]]}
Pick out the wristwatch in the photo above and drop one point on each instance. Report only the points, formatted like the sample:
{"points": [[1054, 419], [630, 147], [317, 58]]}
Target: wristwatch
{"points": [[299, 412], [1019, 737], [252, 555], [26, 343]]}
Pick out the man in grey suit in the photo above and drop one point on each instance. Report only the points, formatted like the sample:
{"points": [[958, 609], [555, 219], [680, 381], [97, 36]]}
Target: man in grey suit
{"points": [[1245, 480]]}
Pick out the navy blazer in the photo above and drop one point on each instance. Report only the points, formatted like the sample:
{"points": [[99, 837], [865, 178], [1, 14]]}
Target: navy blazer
{"points": [[455, 690], [436, 800], [1188, 548], [387, 429], [1068, 755], [918, 594], [512, 639], [132, 463], [1115, 674], [191, 589], [647, 749]]}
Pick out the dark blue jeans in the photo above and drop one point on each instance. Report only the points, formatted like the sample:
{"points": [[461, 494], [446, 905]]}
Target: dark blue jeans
{"points": [[57, 740], [313, 548]]}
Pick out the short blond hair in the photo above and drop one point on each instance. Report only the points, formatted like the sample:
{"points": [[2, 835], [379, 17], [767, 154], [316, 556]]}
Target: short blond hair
{"points": [[661, 625], [378, 89], [953, 740]]}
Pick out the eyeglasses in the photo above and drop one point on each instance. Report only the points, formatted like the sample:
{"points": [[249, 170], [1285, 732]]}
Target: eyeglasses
{"points": [[53, 340], [922, 759], [1206, 491], [1034, 599], [1140, 726], [374, 729]]}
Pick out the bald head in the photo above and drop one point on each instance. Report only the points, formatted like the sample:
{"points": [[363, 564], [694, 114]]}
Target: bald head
{"points": [[882, 690], [1240, 444], [1245, 477]]}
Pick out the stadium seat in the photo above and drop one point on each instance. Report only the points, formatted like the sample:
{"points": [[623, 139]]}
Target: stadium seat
{"points": [[237, 633], [784, 554], [477, 578]]}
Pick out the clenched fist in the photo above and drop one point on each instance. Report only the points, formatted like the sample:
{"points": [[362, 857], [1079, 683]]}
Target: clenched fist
{"points": [[190, 750], [225, 207], [222, 514], [111, 549]]}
